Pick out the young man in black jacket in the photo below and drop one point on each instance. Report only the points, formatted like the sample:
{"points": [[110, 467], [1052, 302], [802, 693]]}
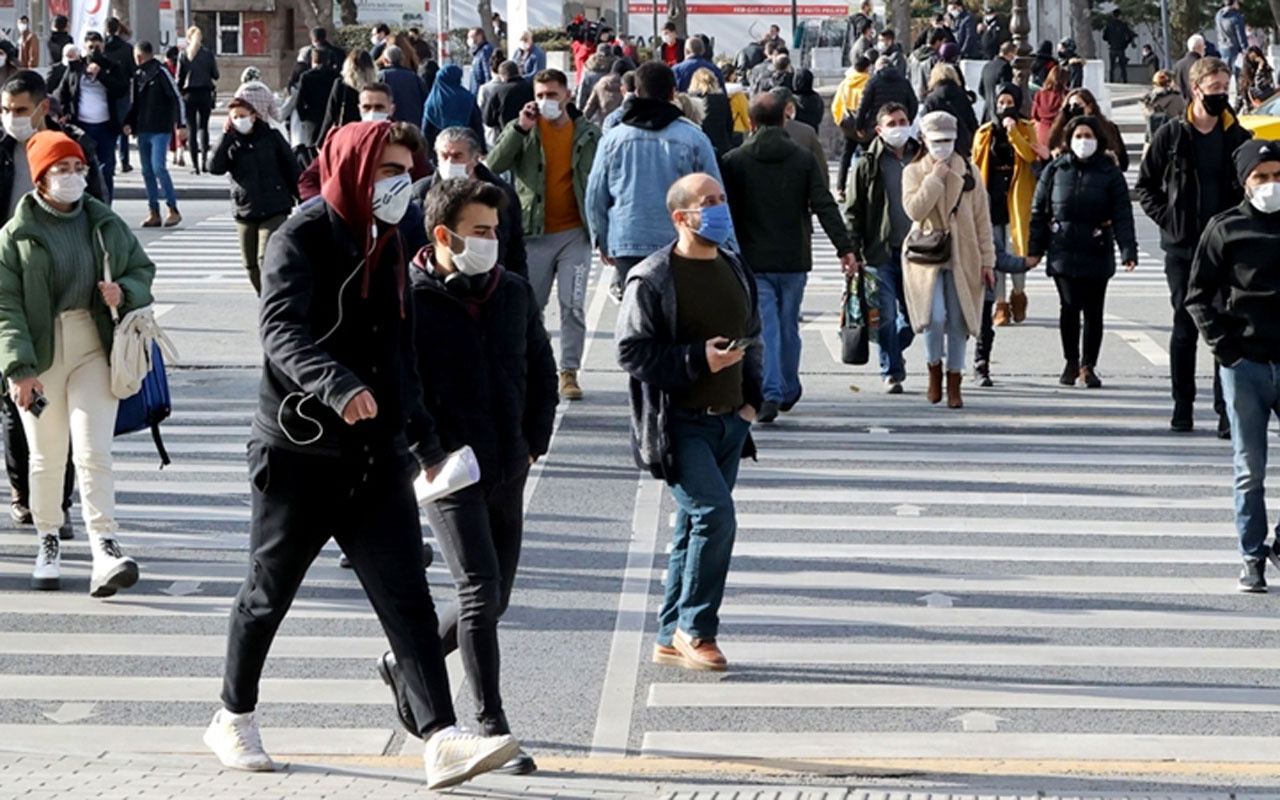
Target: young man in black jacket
{"points": [[689, 336], [493, 388], [340, 433], [89, 95], [1184, 180], [1236, 259], [156, 111], [120, 52]]}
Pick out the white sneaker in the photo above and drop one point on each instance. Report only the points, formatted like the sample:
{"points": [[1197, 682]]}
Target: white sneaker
{"points": [[453, 756], [235, 740], [47, 574], [112, 569]]}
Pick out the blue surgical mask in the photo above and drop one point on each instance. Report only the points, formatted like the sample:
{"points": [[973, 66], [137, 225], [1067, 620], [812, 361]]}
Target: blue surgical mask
{"points": [[715, 225]]}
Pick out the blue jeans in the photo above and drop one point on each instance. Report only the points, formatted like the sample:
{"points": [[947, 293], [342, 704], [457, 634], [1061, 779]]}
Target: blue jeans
{"points": [[152, 149], [103, 137], [706, 450], [1251, 390], [780, 296], [894, 334], [946, 319]]}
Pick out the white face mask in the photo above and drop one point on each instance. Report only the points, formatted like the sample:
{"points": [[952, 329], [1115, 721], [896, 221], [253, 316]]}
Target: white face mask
{"points": [[3, 58], [391, 198], [374, 116], [896, 137], [243, 124], [22, 27], [19, 128], [941, 149], [66, 188], [1084, 148], [669, 38], [550, 109], [374, 38], [449, 170], [477, 257], [1265, 197]]}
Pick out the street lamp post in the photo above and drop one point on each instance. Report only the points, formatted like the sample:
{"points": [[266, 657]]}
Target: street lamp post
{"points": [[1020, 27]]}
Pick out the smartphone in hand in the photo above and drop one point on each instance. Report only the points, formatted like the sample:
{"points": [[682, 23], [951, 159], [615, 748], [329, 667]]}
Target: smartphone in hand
{"points": [[739, 344], [38, 404]]}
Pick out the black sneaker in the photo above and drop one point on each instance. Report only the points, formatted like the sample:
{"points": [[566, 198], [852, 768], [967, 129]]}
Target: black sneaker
{"points": [[1183, 419], [768, 411], [1069, 374], [520, 764], [982, 374], [65, 532], [19, 513], [1252, 578], [790, 404], [1224, 428], [389, 671]]}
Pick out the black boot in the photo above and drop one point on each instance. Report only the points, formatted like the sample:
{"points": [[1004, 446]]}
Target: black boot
{"points": [[1069, 374]]}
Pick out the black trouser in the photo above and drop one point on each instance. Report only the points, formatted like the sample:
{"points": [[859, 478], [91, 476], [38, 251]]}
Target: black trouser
{"points": [[368, 505], [199, 105], [479, 530], [1119, 63], [987, 334], [846, 159], [1078, 297], [17, 460], [622, 265], [1182, 343]]}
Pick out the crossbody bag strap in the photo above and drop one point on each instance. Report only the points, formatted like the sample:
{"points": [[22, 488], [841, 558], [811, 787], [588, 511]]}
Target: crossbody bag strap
{"points": [[106, 271]]}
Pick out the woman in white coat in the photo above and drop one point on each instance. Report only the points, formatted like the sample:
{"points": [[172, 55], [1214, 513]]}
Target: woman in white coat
{"points": [[943, 192]]}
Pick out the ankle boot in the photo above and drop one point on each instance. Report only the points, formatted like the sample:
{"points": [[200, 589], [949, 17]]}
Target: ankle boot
{"points": [[1001, 317], [934, 394], [1018, 305], [153, 219], [953, 390]]}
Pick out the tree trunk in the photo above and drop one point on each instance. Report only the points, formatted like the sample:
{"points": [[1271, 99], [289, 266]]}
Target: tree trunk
{"points": [[349, 12], [1275, 12], [899, 18], [677, 13], [1082, 28], [485, 9]]}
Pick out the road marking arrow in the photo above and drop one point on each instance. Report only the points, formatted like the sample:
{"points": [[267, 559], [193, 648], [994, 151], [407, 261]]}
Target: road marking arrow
{"points": [[979, 722], [938, 600], [181, 588], [70, 712], [908, 510]]}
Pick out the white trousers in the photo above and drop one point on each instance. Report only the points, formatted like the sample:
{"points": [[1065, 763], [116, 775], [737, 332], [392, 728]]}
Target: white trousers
{"points": [[82, 411]]}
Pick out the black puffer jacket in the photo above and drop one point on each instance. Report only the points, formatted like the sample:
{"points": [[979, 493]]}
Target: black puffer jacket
{"points": [[200, 72], [886, 86], [717, 119], [952, 99], [488, 373], [1080, 213], [264, 171]]}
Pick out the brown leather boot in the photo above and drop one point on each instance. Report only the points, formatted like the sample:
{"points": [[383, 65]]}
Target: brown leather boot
{"points": [[1002, 316], [953, 390], [1018, 304], [173, 218], [934, 394], [152, 220]]}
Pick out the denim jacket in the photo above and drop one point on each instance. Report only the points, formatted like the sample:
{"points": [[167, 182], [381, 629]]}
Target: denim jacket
{"points": [[634, 167]]}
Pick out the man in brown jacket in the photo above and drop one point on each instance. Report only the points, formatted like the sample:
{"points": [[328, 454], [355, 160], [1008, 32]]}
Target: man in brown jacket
{"points": [[29, 45]]}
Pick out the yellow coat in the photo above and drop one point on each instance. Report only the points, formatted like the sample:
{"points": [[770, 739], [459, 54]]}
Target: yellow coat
{"points": [[849, 94], [738, 108], [1022, 190]]}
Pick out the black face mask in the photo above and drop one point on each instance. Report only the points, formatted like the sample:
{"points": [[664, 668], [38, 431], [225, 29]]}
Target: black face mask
{"points": [[1007, 113], [1215, 104], [1071, 112]]}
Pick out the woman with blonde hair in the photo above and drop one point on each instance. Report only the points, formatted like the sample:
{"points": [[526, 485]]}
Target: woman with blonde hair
{"points": [[949, 255], [713, 105], [197, 81], [358, 71], [946, 93]]}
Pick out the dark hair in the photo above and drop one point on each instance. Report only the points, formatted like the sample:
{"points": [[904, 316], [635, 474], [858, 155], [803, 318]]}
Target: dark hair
{"points": [[414, 31], [863, 64], [1117, 13], [938, 36], [60, 22], [172, 53], [405, 134], [319, 34], [378, 86], [629, 81], [93, 36], [240, 102], [655, 80], [113, 26], [889, 109], [27, 82], [1058, 133], [24, 18], [496, 59], [670, 26], [768, 110], [938, 19], [509, 70], [445, 201], [888, 33], [620, 67], [383, 28], [552, 76], [145, 48]]}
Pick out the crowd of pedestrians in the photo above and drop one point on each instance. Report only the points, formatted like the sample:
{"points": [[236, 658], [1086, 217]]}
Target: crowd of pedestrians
{"points": [[437, 208]]}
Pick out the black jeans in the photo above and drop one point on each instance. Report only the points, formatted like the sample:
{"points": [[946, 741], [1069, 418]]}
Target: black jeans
{"points": [[846, 159], [479, 530], [986, 334], [1081, 297], [1182, 343], [623, 265], [1119, 63], [299, 501], [199, 104], [17, 460]]}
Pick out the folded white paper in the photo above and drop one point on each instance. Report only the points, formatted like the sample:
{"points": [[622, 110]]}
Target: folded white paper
{"points": [[460, 470]]}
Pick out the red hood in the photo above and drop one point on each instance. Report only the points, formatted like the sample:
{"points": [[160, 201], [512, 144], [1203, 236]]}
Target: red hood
{"points": [[348, 164]]}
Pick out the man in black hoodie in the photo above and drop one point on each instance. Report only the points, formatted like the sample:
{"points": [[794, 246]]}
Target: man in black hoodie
{"points": [[59, 39], [1185, 179], [1236, 259], [340, 433]]}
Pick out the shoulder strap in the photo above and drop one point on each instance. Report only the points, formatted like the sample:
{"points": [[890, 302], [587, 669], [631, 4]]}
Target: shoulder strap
{"points": [[960, 196]]}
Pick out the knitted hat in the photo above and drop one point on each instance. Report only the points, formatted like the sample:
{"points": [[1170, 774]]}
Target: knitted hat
{"points": [[47, 148], [1252, 153], [938, 125]]}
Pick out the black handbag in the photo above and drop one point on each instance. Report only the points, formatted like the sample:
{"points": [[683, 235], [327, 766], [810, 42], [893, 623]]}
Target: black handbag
{"points": [[931, 246], [855, 328]]}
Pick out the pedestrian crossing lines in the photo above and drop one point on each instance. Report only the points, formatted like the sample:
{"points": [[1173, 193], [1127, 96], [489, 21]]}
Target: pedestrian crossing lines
{"points": [[203, 254], [1025, 578], [143, 670]]}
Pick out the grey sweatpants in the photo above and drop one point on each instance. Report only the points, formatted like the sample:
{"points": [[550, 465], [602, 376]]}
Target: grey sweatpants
{"points": [[564, 257]]}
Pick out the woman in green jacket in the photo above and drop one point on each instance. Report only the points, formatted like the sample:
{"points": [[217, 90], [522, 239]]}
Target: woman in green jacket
{"points": [[55, 342]]}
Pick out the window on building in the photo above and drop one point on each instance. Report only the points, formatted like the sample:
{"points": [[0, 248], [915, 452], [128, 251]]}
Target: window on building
{"points": [[222, 31]]}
